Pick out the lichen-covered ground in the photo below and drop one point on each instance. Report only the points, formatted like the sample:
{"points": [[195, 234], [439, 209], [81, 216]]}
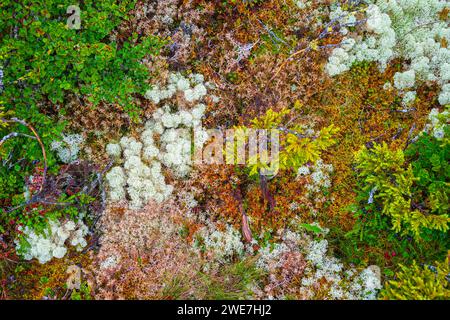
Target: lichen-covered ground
{"points": [[103, 195]]}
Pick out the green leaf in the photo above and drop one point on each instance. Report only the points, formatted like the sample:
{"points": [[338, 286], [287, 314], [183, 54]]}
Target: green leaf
{"points": [[311, 228]]}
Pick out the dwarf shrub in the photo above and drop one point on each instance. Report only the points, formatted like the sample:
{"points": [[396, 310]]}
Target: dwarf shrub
{"points": [[390, 181], [44, 62], [298, 145]]}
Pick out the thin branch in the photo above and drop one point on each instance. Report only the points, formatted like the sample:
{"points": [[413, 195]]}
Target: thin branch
{"points": [[295, 133], [87, 189], [288, 60], [44, 154], [410, 133], [13, 135]]}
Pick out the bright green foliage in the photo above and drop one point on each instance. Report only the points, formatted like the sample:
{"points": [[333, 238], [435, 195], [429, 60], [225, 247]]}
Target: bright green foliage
{"points": [[296, 148], [43, 58], [385, 174], [310, 227], [372, 240], [419, 283], [21, 154]]}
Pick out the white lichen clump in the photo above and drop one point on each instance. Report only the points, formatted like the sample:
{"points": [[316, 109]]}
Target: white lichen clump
{"points": [[67, 149], [187, 199], [141, 180], [113, 150], [438, 123], [409, 98], [302, 4], [318, 174], [270, 256], [110, 263], [51, 243], [193, 88], [345, 284], [404, 80], [165, 141], [341, 283], [411, 30]]}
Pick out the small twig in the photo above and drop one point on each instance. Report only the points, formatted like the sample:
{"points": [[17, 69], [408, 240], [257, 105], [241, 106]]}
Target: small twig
{"points": [[13, 135], [406, 110], [265, 191], [397, 134], [87, 189], [66, 294], [295, 133], [103, 192], [272, 34], [247, 233], [294, 118], [288, 60], [44, 154]]}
